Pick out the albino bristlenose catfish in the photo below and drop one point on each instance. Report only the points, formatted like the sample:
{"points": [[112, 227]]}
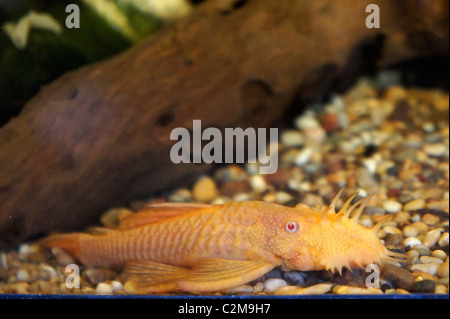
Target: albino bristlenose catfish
{"points": [[206, 248]]}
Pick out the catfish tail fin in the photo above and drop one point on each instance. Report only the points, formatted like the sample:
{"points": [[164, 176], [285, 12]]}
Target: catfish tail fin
{"points": [[68, 242]]}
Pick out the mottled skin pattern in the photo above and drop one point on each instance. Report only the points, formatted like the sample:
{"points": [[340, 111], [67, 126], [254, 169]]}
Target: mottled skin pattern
{"points": [[215, 237]]}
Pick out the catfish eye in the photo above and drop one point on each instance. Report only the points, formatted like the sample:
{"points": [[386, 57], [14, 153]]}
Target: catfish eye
{"points": [[291, 226]]}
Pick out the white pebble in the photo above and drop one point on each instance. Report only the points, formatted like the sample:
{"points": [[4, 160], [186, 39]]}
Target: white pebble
{"points": [[258, 183], [432, 237], [307, 121], [435, 149], [104, 289], [47, 272], [273, 284], [411, 242], [443, 240], [371, 165], [282, 197], [291, 138], [304, 156], [116, 285], [23, 275], [429, 260], [241, 197], [427, 268], [392, 206], [366, 221], [25, 251]]}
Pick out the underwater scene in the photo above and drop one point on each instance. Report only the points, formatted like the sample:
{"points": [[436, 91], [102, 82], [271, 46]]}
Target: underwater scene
{"points": [[224, 149]]}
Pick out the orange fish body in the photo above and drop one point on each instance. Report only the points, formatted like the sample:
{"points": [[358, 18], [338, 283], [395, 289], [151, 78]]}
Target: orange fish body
{"points": [[201, 248]]}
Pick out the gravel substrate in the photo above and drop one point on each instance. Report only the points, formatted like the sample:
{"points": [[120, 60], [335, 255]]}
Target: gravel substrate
{"points": [[391, 142]]}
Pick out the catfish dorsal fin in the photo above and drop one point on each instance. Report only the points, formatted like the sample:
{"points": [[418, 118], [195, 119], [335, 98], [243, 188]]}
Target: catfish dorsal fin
{"points": [[153, 213]]}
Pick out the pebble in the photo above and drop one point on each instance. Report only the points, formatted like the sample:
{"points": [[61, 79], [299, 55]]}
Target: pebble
{"points": [[430, 259], [22, 275], [258, 183], [443, 240], [349, 290], [113, 216], [402, 217], [273, 284], [303, 156], [205, 190], [288, 290], [104, 289], [47, 272], [244, 289], [424, 286], [180, 195], [410, 231], [439, 254], [426, 268], [258, 287], [435, 149], [392, 230], [294, 278], [430, 219], [98, 275], [399, 277], [292, 138], [364, 178], [411, 242], [432, 237], [283, 197], [116, 285], [422, 250], [441, 289], [62, 257], [318, 289], [421, 227], [414, 205], [391, 206], [443, 270], [371, 165]]}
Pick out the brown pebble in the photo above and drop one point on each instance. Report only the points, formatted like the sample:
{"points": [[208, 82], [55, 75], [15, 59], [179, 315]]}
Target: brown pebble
{"points": [[279, 179], [329, 122], [98, 275], [231, 188], [430, 219], [399, 277], [393, 239], [62, 257]]}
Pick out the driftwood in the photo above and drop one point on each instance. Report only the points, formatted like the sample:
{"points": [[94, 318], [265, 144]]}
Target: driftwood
{"points": [[99, 136]]}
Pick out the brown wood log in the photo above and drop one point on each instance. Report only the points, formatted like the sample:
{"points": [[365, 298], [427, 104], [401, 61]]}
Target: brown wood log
{"points": [[99, 136]]}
